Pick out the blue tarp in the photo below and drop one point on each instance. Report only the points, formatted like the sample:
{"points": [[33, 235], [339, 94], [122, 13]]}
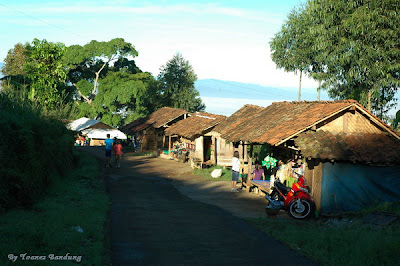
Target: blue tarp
{"points": [[357, 186]]}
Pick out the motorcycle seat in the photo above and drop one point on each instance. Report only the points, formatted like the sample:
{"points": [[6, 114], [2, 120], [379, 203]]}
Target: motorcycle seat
{"points": [[282, 187]]}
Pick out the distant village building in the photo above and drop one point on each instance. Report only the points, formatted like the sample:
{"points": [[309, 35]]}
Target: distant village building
{"points": [[95, 130], [195, 134], [149, 130]]}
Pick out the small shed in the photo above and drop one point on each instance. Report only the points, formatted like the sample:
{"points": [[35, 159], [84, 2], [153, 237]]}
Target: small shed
{"points": [[337, 139], [95, 130], [195, 133], [149, 130]]}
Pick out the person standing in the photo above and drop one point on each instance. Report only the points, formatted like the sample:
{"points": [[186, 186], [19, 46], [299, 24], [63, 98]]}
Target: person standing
{"points": [[117, 148], [109, 146], [258, 173], [235, 171]]}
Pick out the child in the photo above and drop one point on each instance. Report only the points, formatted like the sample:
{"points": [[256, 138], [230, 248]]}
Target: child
{"points": [[117, 148]]}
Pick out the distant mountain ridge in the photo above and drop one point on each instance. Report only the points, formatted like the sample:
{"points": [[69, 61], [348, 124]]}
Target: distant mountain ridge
{"points": [[230, 89]]}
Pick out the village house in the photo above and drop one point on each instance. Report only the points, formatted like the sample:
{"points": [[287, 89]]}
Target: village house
{"points": [[351, 157], [195, 134], [149, 130], [227, 148]]}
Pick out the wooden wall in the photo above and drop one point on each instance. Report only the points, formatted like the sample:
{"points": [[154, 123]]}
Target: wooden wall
{"points": [[350, 122], [223, 149], [313, 175]]}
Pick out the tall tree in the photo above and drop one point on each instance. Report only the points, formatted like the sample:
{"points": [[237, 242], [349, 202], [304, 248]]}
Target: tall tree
{"points": [[15, 61], [15, 81], [290, 51], [177, 79], [121, 98], [88, 63], [361, 48], [352, 45], [45, 71]]}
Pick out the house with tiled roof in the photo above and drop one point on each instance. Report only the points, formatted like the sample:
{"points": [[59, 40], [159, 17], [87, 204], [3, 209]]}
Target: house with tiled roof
{"points": [[150, 129], [348, 151], [195, 134]]}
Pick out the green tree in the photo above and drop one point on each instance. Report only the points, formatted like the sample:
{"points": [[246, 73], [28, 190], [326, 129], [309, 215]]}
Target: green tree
{"points": [[45, 71], [15, 61], [396, 121], [89, 63], [290, 47], [177, 89], [121, 98], [351, 46], [15, 81], [361, 48]]}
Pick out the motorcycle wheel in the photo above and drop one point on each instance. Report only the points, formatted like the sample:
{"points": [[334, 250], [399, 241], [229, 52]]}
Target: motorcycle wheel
{"points": [[302, 210]]}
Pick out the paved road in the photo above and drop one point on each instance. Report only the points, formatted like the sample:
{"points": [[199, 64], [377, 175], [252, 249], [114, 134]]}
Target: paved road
{"points": [[152, 223]]}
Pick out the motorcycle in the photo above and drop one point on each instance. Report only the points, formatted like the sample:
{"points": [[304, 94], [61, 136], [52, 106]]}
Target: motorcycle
{"points": [[296, 201]]}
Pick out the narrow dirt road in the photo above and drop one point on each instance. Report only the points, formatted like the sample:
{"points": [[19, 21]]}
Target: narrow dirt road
{"points": [[162, 216]]}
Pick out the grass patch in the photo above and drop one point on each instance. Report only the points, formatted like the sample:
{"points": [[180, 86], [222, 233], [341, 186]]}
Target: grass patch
{"points": [[346, 241], [52, 225], [206, 173]]}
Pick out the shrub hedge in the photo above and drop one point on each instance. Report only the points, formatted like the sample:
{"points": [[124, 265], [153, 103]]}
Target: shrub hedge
{"points": [[34, 149]]}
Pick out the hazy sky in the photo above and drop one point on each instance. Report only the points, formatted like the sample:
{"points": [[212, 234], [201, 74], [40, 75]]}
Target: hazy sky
{"points": [[226, 40]]}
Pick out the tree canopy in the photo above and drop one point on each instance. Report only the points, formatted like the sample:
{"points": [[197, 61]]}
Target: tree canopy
{"points": [[99, 80], [88, 63], [177, 89], [352, 47]]}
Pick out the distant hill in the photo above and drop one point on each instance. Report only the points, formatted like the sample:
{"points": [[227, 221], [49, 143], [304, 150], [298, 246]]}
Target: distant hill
{"points": [[226, 97], [230, 89]]}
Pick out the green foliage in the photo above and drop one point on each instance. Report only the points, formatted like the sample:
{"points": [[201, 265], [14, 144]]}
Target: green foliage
{"points": [[46, 71], [396, 121], [15, 61], [177, 79], [49, 227], [90, 62], [122, 97], [350, 45], [34, 149]]}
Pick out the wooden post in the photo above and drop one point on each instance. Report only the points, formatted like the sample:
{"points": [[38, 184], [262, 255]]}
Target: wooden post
{"points": [[169, 146], [249, 167], [316, 185], [163, 141], [214, 142]]}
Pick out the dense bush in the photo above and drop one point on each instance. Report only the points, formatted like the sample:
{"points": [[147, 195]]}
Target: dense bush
{"points": [[33, 150]]}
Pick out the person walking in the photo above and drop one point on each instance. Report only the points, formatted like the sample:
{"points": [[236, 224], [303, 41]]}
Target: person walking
{"points": [[117, 148], [109, 146], [235, 171]]}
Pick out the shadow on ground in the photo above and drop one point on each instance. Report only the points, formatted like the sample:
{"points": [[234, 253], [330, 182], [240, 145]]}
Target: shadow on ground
{"points": [[162, 215]]}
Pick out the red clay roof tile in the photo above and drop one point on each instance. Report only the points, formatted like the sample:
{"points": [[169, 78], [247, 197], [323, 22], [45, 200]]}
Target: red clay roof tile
{"points": [[194, 125], [355, 147], [156, 119]]}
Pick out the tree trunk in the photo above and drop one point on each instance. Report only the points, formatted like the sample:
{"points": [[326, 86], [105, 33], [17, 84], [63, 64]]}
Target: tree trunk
{"points": [[369, 107], [299, 96], [97, 78], [319, 90]]}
